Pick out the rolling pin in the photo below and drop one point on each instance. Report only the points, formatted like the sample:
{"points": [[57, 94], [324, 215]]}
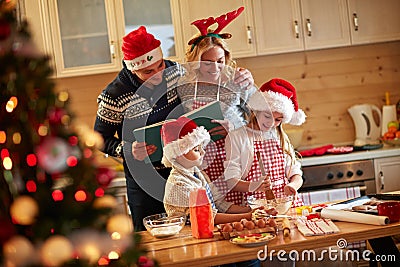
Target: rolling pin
{"points": [[269, 194], [286, 227]]}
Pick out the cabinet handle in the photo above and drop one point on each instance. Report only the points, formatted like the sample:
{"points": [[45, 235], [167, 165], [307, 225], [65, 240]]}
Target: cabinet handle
{"points": [[296, 29], [249, 34], [308, 27], [355, 21], [382, 180], [112, 49]]}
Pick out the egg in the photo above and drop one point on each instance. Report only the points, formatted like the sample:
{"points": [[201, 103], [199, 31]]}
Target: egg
{"points": [[249, 225], [261, 223], [272, 222], [227, 228], [238, 226]]}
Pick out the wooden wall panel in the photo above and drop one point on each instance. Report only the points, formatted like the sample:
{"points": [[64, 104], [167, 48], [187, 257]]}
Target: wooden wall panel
{"points": [[328, 83]]}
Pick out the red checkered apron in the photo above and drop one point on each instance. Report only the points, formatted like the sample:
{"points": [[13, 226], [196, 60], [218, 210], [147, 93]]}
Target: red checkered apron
{"points": [[214, 159], [274, 163]]}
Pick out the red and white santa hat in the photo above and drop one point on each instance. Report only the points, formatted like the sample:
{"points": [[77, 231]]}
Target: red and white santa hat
{"points": [[140, 49], [180, 136], [280, 96]]}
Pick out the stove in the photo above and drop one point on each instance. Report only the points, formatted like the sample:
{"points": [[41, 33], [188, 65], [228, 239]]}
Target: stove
{"points": [[340, 175]]}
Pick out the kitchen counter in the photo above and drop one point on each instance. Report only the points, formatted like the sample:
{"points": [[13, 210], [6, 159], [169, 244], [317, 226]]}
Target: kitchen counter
{"points": [[184, 250], [385, 151]]}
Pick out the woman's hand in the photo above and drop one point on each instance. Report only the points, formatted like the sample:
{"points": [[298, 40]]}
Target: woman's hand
{"points": [[244, 78], [140, 150]]}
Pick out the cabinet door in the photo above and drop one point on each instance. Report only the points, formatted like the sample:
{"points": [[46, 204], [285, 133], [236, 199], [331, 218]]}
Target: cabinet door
{"points": [[84, 36], [241, 43], [161, 19], [278, 26], [374, 21], [387, 170], [325, 23]]}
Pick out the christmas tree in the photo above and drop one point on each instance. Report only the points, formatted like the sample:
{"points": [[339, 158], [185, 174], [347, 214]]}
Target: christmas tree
{"points": [[55, 209]]}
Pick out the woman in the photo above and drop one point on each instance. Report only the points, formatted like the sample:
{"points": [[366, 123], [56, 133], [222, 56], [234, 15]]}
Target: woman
{"points": [[209, 76]]}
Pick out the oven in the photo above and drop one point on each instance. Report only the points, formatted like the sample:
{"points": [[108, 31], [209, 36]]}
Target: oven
{"points": [[330, 176]]}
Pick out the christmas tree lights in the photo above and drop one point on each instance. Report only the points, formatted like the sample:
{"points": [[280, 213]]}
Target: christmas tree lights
{"points": [[55, 208]]}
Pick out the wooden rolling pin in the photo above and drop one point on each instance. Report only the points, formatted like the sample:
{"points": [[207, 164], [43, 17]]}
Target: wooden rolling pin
{"points": [[286, 227], [269, 194]]}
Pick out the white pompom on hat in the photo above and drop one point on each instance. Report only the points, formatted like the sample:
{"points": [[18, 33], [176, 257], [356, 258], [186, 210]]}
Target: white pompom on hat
{"points": [[140, 49], [180, 136], [280, 96]]}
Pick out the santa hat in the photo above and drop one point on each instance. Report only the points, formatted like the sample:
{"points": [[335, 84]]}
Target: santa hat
{"points": [[180, 136], [279, 96], [140, 49]]}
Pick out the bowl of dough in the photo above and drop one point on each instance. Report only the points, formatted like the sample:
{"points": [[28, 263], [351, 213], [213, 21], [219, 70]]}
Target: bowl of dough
{"points": [[281, 204], [162, 225]]}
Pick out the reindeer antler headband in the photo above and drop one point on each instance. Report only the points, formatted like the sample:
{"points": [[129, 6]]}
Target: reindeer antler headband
{"points": [[222, 21]]}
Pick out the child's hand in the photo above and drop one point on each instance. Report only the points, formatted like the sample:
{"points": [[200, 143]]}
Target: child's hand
{"points": [[223, 129], [262, 184], [289, 190]]}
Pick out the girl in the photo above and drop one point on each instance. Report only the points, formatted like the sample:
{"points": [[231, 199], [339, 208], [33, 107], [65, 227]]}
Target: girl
{"points": [[272, 106]]}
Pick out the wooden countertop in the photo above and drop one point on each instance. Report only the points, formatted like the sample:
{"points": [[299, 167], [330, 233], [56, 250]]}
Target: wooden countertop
{"points": [[184, 250]]}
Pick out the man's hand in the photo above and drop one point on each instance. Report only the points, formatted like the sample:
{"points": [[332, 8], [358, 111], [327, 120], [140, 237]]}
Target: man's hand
{"points": [[244, 78], [140, 150]]}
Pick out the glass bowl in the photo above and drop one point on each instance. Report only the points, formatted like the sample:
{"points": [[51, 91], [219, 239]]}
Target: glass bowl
{"points": [[392, 142], [162, 225], [281, 204]]}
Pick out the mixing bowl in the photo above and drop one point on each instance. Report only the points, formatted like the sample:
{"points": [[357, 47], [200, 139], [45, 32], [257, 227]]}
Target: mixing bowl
{"points": [[281, 204], [162, 225]]}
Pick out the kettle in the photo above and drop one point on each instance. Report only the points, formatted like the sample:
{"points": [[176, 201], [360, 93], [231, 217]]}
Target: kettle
{"points": [[367, 129]]}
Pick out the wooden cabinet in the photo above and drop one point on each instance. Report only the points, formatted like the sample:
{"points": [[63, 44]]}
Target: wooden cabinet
{"points": [[295, 25], [278, 26], [387, 173], [242, 43], [84, 36], [325, 23], [161, 18], [374, 20], [118, 186]]}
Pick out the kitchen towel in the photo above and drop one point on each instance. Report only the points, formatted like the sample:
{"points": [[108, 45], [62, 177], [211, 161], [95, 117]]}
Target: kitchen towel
{"points": [[330, 195], [316, 227], [352, 216], [388, 114]]}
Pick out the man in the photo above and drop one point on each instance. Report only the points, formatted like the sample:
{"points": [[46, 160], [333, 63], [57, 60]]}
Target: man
{"points": [[143, 93]]}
